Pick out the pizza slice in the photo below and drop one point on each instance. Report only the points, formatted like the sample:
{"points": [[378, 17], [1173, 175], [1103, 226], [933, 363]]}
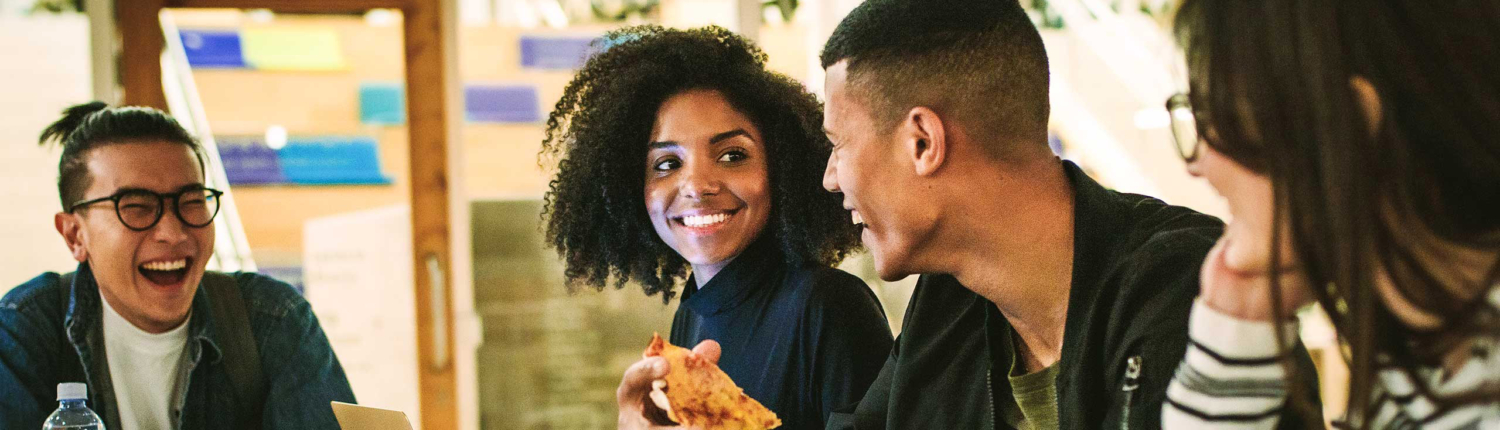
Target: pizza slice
{"points": [[695, 393]]}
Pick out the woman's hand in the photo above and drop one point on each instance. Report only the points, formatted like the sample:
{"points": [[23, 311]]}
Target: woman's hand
{"points": [[637, 411], [1246, 295]]}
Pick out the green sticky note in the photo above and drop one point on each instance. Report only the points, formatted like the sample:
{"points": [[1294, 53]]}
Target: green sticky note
{"points": [[293, 49]]}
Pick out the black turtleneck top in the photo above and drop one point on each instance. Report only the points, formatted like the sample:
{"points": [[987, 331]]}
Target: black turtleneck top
{"points": [[801, 339]]}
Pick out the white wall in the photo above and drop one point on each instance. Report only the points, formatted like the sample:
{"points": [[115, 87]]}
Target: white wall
{"points": [[358, 274], [14, 7], [45, 69]]}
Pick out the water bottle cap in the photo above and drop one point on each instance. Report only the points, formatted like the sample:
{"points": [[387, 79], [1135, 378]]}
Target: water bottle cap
{"points": [[72, 391]]}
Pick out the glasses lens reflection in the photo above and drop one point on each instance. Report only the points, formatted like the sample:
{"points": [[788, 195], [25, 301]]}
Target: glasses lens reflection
{"points": [[1184, 131], [197, 208]]}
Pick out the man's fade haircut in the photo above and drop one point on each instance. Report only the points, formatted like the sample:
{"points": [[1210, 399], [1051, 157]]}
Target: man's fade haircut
{"points": [[979, 62]]}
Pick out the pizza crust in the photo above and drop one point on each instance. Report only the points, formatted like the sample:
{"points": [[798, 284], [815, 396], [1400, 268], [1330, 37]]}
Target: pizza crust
{"points": [[696, 393]]}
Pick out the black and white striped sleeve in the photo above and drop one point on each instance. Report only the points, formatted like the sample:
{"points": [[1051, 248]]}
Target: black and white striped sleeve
{"points": [[1231, 377]]}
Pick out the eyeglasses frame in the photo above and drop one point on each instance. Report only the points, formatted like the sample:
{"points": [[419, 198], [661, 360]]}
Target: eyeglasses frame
{"points": [[1181, 101], [161, 202]]}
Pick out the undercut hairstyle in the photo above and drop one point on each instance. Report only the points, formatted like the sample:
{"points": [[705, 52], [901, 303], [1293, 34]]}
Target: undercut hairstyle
{"points": [[979, 62], [594, 213], [1271, 81], [93, 125]]}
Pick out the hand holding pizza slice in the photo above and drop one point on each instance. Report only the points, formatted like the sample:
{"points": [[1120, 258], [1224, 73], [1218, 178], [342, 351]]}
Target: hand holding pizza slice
{"points": [[695, 393]]}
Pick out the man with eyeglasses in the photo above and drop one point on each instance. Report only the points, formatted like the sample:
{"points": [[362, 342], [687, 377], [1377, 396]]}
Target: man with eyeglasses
{"points": [[160, 341]]}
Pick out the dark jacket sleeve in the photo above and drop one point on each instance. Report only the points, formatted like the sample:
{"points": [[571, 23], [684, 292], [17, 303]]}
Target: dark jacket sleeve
{"points": [[852, 341], [869, 412], [1156, 297], [32, 345], [302, 373], [1156, 290]]}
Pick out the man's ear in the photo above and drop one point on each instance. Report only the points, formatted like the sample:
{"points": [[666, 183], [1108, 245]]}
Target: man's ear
{"points": [[71, 229], [924, 140], [1369, 102]]}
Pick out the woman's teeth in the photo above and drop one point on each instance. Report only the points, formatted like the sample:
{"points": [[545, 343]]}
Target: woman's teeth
{"points": [[854, 216], [165, 266], [704, 220]]}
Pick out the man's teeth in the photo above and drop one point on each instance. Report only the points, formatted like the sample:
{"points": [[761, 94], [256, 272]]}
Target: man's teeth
{"points": [[704, 220], [856, 218], [165, 266]]}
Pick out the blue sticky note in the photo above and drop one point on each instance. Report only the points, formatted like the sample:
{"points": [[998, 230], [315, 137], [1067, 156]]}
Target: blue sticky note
{"points": [[213, 48], [554, 52], [332, 160], [502, 103], [248, 161], [382, 103]]}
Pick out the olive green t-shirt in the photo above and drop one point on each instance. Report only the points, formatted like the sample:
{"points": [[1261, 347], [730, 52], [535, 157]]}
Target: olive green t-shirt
{"points": [[1036, 395]]}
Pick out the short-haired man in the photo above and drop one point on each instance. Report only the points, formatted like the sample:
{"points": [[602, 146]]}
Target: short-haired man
{"points": [[160, 342], [1048, 301]]}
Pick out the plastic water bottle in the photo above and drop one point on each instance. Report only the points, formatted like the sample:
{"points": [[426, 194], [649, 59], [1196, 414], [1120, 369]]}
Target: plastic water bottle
{"points": [[72, 412]]}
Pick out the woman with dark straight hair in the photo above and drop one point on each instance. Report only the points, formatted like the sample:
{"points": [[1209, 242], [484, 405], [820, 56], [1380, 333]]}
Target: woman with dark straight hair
{"points": [[1358, 146]]}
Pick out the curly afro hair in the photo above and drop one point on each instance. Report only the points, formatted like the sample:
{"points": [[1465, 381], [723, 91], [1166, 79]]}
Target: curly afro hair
{"points": [[595, 211]]}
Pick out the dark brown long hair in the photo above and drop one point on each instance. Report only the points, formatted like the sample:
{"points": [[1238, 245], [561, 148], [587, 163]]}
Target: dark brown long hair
{"points": [[1272, 78]]}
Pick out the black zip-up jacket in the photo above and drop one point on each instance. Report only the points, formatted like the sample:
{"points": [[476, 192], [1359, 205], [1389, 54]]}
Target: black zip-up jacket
{"points": [[1135, 275]]}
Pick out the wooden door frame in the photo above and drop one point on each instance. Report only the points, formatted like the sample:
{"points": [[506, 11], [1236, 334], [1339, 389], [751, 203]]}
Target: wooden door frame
{"points": [[430, 38]]}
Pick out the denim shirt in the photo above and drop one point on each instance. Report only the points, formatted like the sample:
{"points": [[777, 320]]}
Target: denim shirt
{"points": [[52, 333]]}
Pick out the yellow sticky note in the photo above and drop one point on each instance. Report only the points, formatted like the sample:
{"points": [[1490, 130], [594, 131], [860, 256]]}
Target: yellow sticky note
{"points": [[293, 49]]}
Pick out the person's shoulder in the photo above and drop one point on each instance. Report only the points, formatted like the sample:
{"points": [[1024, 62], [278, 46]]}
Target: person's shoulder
{"points": [[45, 288], [1152, 220], [841, 304], [823, 288], [832, 281], [829, 285], [1173, 249], [1159, 236], [1150, 285], [266, 295], [1159, 252], [1133, 219], [35, 310]]}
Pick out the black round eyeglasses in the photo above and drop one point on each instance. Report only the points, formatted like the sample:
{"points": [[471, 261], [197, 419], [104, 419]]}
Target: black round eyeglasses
{"points": [[140, 210]]}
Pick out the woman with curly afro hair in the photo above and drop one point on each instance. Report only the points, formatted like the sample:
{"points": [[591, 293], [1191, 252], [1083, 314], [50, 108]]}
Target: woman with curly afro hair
{"points": [[680, 156]]}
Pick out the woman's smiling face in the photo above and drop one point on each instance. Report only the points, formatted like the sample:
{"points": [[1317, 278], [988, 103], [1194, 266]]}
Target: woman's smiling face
{"points": [[707, 183]]}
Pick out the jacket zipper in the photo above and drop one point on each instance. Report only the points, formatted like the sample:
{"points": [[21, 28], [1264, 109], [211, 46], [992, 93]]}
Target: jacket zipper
{"points": [[1132, 381], [989, 388]]}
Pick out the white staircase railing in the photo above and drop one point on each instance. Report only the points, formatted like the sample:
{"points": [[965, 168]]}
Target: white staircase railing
{"points": [[231, 249]]}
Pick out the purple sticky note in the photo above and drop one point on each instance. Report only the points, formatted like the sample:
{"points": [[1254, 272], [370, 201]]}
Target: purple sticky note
{"points": [[554, 52], [248, 161], [502, 103]]}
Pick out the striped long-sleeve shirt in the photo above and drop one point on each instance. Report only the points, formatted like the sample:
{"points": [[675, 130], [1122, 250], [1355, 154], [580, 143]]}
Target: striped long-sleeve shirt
{"points": [[1231, 379]]}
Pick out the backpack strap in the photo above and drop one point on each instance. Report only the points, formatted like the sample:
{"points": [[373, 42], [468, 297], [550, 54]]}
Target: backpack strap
{"points": [[240, 356]]}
